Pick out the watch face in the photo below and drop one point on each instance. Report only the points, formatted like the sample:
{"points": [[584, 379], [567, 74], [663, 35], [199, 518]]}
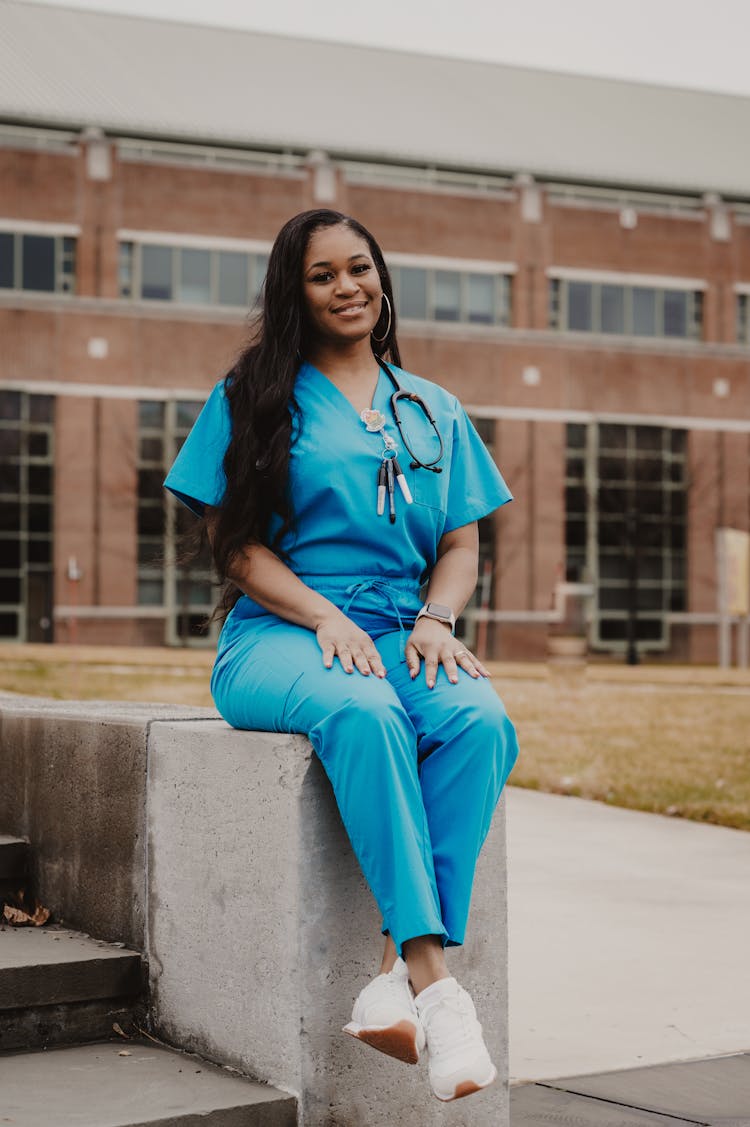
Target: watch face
{"points": [[438, 611]]}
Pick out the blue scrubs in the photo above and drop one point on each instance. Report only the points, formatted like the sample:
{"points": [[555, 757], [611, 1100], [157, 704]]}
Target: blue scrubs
{"points": [[417, 772]]}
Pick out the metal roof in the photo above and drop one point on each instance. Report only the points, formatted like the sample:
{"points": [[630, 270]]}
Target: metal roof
{"points": [[157, 78]]}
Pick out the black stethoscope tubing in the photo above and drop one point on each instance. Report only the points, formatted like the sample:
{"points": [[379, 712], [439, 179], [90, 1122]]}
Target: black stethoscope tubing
{"points": [[412, 397]]}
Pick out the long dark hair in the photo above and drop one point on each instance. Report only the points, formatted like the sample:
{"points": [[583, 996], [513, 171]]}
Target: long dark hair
{"points": [[260, 391]]}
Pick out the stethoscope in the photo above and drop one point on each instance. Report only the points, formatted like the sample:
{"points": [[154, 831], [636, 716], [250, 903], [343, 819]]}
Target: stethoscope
{"points": [[412, 397]]}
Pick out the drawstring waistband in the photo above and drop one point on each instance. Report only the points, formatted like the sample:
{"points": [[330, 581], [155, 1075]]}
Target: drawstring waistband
{"points": [[354, 590]]}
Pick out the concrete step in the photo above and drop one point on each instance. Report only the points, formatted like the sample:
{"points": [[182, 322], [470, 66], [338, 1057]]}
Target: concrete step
{"points": [[97, 1086], [59, 986], [14, 863]]}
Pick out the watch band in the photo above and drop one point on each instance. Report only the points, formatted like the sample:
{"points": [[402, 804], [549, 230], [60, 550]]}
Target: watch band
{"points": [[440, 613]]}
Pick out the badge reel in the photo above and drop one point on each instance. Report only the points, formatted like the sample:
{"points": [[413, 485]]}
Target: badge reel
{"points": [[389, 471]]}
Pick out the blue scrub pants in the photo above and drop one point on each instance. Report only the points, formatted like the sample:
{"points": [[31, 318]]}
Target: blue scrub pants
{"points": [[416, 772]]}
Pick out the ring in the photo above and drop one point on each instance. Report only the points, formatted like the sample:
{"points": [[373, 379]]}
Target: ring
{"points": [[460, 653]]}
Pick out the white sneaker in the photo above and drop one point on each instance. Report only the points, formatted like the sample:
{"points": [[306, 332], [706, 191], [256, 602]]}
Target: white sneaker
{"points": [[385, 1016], [459, 1061]]}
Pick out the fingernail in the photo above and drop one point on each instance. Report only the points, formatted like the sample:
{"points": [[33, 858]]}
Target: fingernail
{"points": [[430, 684], [454, 680]]}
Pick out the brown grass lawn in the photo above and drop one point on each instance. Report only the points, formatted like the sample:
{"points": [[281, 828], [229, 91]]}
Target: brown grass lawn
{"points": [[679, 750], [655, 738]]}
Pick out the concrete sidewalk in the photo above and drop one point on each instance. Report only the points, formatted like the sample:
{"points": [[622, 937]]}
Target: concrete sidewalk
{"points": [[628, 947]]}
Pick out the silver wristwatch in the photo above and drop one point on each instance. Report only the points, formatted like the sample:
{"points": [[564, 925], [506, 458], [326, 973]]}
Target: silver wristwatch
{"points": [[440, 613]]}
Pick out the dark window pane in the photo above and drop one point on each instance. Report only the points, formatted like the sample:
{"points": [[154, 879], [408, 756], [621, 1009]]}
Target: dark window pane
{"points": [[10, 441], [650, 598], [150, 553], [10, 516], [10, 553], [576, 435], [649, 438], [10, 404], [10, 478], [612, 533], [40, 518], [188, 411], [677, 537], [194, 593], [677, 600], [8, 625], [579, 306], [191, 625], [150, 520], [152, 450], [150, 592], [612, 436], [40, 551], [38, 263], [612, 469], [6, 260], [613, 309], [413, 293], [644, 312], [156, 273], [10, 589], [40, 480], [649, 629], [232, 278], [151, 413], [575, 468], [575, 533], [38, 444], [575, 499], [613, 566], [675, 313], [150, 485], [613, 598], [612, 629], [41, 408]]}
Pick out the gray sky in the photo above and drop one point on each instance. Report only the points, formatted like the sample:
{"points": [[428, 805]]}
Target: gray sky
{"points": [[673, 42]]}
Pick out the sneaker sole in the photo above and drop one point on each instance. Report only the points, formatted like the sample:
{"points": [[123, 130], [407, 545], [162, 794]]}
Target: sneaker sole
{"points": [[398, 1041], [467, 1088]]}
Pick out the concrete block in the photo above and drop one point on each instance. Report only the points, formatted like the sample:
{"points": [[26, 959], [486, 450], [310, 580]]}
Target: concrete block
{"points": [[261, 930], [74, 784]]}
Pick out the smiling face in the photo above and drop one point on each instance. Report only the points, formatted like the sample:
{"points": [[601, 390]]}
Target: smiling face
{"points": [[340, 284]]}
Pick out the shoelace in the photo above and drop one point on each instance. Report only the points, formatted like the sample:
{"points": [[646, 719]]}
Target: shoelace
{"points": [[448, 1035]]}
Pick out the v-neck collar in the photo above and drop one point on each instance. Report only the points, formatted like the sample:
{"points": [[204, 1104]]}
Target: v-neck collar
{"points": [[340, 398]]}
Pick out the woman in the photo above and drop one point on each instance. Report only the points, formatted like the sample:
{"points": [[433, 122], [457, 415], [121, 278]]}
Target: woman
{"points": [[326, 519]]}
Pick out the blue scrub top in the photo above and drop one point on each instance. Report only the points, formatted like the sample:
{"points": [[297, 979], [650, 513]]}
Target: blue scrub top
{"points": [[339, 539]]}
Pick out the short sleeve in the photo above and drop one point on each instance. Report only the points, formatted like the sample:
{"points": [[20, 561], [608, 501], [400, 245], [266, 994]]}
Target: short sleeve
{"points": [[197, 474], [476, 487]]}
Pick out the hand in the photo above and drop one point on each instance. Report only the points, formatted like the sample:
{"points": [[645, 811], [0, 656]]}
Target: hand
{"points": [[433, 641], [339, 637]]}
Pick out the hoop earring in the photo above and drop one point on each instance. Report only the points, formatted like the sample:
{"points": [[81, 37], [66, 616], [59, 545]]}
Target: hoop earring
{"points": [[379, 340]]}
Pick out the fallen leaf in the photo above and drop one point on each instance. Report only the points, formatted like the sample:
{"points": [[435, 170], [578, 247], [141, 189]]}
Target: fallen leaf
{"points": [[124, 1053], [18, 917], [118, 1029]]}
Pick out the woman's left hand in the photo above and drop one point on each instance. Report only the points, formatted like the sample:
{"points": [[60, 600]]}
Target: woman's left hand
{"points": [[432, 641]]}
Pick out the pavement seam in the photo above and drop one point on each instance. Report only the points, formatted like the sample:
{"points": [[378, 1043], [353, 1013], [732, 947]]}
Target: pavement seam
{"points": [[619, 1103]]}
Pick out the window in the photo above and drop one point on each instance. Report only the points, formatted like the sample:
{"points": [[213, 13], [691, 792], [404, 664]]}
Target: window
{"points": [[598, 307], [191, 276], [743, 318], [26, 503], [468, 297], [37, 263], [184, 590], [625, 527]]}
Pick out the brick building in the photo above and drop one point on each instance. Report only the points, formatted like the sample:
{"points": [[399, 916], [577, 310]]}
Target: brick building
{"points": [[570, 255]]}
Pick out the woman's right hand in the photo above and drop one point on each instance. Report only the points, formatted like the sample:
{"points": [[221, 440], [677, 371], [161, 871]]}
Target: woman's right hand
{"points": [[339, 637]]}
